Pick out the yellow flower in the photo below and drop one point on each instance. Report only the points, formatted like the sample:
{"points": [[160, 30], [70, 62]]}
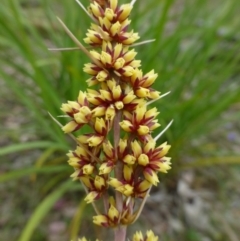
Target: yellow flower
{"points": [[99, 183], [88, 169], [151, 176], [95, 9], [138, 236], [100, 126], [143, 130], [83, 116], [165, 165], [126, 125], [143, 160], [116, 149], [129, 159], [106, 168], [124, 10], [113, 213], [100, 220], [128, 173], [70, 127], [95, 140], [126, 189], [92, 196], [150, 236]]}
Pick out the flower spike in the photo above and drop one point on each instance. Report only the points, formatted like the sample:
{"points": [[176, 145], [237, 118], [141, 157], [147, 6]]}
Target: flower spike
{"points": [[112, 122]]}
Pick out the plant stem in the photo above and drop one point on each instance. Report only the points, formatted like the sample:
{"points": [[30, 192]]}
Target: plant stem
{"points": [[120, 233], [118, 168]]}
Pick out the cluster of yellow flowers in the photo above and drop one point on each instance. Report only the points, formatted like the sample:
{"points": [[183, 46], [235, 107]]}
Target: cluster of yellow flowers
{"points": [[138, 236], [120, 153]]}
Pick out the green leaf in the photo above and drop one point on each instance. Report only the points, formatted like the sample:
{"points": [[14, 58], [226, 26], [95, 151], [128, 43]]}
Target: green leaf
{"points": [[30, 145], [43, 209], [12, 175]]}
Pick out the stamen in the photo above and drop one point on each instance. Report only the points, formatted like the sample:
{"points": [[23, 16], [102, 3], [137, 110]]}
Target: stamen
{"points": [[161, 133], [161, 96]]}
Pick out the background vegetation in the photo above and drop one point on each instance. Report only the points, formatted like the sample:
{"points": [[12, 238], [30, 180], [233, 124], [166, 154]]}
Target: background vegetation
{"points": [[197, 56]]}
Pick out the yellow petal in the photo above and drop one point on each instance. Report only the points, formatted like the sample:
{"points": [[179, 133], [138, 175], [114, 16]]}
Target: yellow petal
{"points": [[143, 130], [70, 127], [125, 10], [143, 160], [151, 176], [136, 148]]}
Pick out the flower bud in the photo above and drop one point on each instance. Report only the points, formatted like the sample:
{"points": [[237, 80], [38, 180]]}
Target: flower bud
{"points": [[109, 14], [151, 176], [99, 182], [70, 127], [136, 148], [165, 165], [129, 159], [165, 148], [113, 4], [126, 190], [102, 76], [127, 172], [128, 71], [143, 160], [92, 196], [74, 162], [95, 9], [115, 28], [142, 92], [100, 220], [113, 213], [129, 38], [122, 146], [88, 169], [143, 130], [119, 63], [106, 168], [125, 10], [106, 58], [105, 23], [100, 125], [75, 175], [99, 111], [129, 98], [110, 113], [95, 140], [126, 125], [119, 105], [130, 55]]}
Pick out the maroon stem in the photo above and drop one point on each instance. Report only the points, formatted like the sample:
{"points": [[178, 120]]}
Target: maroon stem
{"points": [[118, 167], [120, 233]]}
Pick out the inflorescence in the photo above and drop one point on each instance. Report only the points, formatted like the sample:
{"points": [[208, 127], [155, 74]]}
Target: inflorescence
{"points": [[119, 156]]}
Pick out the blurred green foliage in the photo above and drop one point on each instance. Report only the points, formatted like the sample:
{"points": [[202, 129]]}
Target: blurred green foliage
{"points": [[196, 53]]}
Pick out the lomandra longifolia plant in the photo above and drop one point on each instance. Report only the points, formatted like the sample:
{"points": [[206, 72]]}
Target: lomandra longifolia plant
{"points": [[119, 160]]}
